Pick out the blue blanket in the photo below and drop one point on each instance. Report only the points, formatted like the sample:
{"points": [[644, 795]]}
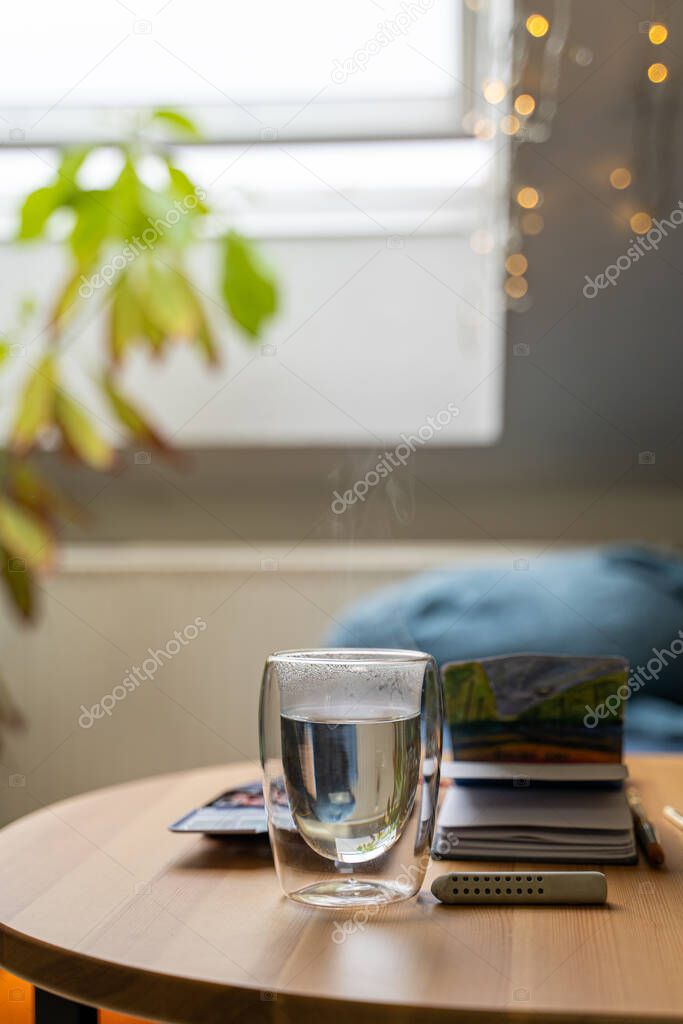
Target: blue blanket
{"points": [[615, 600]]}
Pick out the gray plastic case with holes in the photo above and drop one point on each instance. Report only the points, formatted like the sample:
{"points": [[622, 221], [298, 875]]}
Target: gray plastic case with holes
{"points": [[527, 887]]}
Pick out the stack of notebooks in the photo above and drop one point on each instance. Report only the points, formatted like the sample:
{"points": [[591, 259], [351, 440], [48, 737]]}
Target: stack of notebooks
{"points": [[531, 781]]}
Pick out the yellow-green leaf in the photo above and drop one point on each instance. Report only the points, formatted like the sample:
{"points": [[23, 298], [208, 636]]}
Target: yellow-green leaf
{"points": [[37, 209], [63, 190], [68, 299], [179, 122], [205, 339], [130, 417], [80, 436], [183, 188], [126, 322], [93, 225], [28, 489], [19, 583], [70, 165], [197, 328], [169, 302], [25, 536], [36, 407], [125, 200]]}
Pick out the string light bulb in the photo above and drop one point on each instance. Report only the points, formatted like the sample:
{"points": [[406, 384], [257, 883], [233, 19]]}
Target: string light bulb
{"points": [[484, 128], [582, 55], [658, 73], [532, 223], [494, 90], [528, 197], [658, 33], [516, 287], [516, 264], [620, 178], [510, 125], [525, 104], [641, 222], [537, 26]]}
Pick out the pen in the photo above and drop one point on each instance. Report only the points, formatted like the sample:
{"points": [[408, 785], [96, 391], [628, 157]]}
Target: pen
{"points": [[645, 831], [674, 816]]}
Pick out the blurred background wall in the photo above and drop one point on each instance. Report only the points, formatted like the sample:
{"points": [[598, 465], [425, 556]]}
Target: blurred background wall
{"points": [[596, 385], [588, 451]]}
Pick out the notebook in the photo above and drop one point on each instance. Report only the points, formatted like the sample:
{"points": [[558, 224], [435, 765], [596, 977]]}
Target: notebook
{"points": [[531, 781]]}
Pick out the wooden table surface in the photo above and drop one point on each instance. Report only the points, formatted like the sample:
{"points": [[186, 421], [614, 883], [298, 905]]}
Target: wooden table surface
{"points": [[100, 903]]}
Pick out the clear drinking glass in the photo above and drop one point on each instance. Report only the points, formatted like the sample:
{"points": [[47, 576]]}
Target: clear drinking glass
{"points": [[351, 752]]}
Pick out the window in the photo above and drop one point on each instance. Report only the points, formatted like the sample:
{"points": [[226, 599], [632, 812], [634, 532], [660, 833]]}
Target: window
{"points": [[253, 71], [331, 131]]}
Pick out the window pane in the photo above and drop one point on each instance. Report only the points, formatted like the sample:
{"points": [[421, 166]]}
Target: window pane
{"points": [[79, 53]]}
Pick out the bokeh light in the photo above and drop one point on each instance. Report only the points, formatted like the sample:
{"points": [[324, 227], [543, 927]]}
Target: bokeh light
{"points": [[658, 73], [532, 223], [516, 287], [516, 264], [620, 177], [484, 128], [494, 91], [528, 197], [525, 104], [641, 222], [509, 125], [581, 55], [537, 26], [658, 33]]}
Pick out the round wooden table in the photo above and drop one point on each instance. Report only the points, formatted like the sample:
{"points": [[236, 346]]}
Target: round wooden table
{"points": [[100, 904]]}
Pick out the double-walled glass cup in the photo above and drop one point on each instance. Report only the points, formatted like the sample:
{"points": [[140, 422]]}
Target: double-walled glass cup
{"points": [[351, 753]]}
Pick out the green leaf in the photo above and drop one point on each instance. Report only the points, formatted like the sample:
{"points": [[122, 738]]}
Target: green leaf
{"points": [[114, 214], [169, 212], [183, 187], [248, 288], [5, 350], [39, 205], [19, 584], [37, 209], [179, 122], [70, 165], [25, 536], [131, 418], [80, 436], [92, 226], [36, 407]]}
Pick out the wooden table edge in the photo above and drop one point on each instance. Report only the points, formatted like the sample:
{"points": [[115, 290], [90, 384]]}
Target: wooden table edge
{"points": [[161, 997]]}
